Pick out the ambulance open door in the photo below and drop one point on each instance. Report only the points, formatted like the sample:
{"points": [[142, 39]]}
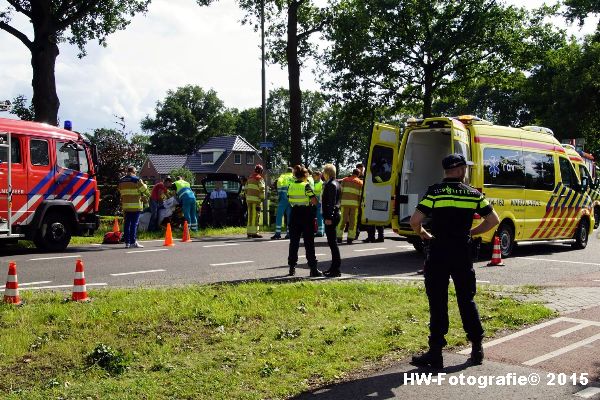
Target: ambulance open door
{"points": [[381, 175]]}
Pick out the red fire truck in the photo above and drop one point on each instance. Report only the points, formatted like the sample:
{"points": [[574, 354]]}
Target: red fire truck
{"points": [[48, 189]]}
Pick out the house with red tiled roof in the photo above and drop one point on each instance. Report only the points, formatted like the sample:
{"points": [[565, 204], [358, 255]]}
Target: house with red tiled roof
{"points": [[223, 154]]}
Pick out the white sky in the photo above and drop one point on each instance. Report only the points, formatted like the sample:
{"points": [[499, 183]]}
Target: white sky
{"points": [[175, 44]]}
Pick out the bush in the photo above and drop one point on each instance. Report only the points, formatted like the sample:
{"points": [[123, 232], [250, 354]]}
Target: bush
{"points": [[112, 361]]}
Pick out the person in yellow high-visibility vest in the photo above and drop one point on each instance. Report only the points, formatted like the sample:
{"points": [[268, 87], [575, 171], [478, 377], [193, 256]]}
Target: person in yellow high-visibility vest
{"points": [[132, 190], [351, 189], [255, 194], [302, 200]]}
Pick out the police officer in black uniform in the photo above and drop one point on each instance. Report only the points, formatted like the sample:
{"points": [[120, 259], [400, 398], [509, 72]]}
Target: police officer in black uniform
{"points": [[451, 205], [303, 200]]}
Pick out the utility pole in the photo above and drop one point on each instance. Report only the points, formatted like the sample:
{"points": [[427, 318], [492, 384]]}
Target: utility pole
{"points": [[265, 151]]}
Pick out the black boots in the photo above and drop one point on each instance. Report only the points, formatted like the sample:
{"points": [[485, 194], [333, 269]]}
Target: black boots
{"points": [[476, 354], [315, 273], [332, 272], [431, 359], [292, 270]]}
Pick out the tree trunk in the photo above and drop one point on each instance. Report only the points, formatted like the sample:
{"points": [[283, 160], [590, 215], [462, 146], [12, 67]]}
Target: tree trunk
{"points": [[428, 91], [294, 84], [43, 60]]}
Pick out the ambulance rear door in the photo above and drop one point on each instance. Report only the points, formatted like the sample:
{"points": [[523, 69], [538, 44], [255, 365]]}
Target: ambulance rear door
{"points": [[381, 175]]}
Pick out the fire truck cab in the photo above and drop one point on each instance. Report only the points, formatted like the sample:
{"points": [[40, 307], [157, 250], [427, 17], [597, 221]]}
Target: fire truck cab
{"points": [[48, 190]]}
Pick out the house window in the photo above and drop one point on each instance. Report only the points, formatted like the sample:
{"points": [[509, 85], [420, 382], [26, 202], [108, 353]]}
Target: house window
{"points": [[237, 158], [249, 158], [207, 158]]}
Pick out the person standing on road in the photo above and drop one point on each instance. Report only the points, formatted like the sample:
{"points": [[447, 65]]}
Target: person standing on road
{"points": [[158, 195], [132, 190], [187, 199], [361, 175], [351, 188], [318, 188], [283, 205], [302, 200], [255, 194], [218, 205], [451, 205], [330, 202]]}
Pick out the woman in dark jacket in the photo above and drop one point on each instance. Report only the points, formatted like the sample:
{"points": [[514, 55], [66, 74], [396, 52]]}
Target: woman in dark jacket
{"points": [[330, 202]]}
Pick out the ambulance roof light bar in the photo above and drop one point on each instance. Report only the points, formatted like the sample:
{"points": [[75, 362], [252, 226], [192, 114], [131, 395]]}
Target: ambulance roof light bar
{"points": [[569, 146], [412, 121], [540, 129], [472, 120]]}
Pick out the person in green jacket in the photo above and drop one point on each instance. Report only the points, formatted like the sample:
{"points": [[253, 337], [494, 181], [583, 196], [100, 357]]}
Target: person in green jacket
{"points": [[132, 190]]}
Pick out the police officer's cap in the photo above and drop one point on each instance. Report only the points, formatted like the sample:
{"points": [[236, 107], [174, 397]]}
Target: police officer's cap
{"points": [[455, 160]]}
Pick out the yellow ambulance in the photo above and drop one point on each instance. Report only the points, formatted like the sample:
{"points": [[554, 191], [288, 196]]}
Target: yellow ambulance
{"points": [[582, 163], [525, 173]]}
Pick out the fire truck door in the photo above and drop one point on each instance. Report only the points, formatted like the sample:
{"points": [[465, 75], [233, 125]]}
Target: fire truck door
{"points": [[41, 175], [18, 180]]}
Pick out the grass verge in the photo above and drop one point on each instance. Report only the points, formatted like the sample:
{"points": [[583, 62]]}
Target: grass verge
{"points": [[247, 341]]}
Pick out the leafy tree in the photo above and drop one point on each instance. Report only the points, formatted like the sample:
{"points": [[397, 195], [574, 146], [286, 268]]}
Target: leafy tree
{"points": [[580, 9], [116, 152], [404, 55], [21, 109], [185, 173], [186, 119], [296, 21], [57, 21]]}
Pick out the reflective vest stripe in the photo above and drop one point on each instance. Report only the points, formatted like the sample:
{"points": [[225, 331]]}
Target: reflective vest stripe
{"points": [[455, 203]]}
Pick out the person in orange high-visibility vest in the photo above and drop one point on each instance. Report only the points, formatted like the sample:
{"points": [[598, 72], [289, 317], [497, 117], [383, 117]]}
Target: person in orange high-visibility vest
{"points": [[255, 194], [351, 189]]}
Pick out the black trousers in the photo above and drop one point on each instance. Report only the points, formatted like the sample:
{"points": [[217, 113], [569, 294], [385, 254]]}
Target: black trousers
{"points": [[451, 260], [302, 224], [330, 232], [371, 232]]}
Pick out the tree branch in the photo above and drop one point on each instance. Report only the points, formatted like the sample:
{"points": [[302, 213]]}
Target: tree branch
{"points": [[318, 28], [85, 7], [16, 33], [19, 8]]}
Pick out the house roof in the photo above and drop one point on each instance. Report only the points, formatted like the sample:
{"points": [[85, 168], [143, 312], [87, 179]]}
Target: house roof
{"points": [[228, 143], [165, 163]]}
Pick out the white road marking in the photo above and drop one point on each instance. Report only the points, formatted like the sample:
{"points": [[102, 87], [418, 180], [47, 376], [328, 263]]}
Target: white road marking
{"points": [[560, 261], [231, 263], [316, 255], [29, 284], [62, 286], [145, 251], [151, 241], [572, 329], [373, 249], [596, 280], [515, 335], [563, 350], [220, 245], [405, 247], [588, 392], [53, 258], [139, 272]]}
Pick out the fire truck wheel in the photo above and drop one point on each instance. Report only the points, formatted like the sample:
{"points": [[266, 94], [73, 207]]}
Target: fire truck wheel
{"points": [[55, 234]]}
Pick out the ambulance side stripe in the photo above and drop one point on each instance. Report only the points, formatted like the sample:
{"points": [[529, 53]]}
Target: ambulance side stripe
{"points": [[549, 208]]}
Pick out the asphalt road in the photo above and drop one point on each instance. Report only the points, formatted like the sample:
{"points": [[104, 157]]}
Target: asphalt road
{"points": [[237, 258]]}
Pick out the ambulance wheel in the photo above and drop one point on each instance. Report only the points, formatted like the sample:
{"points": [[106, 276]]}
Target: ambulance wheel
{"points": [[506, 233], [55, 233], [581, 234]]}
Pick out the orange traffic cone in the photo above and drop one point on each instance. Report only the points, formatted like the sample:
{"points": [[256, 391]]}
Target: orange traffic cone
{"points": [[116, 225], [169, 237], [186, 233], [496, 254], [11, 293], [79, 288]]}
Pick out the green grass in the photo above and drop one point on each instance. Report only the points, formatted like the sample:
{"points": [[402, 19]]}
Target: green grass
{"points": [[248, 341]]}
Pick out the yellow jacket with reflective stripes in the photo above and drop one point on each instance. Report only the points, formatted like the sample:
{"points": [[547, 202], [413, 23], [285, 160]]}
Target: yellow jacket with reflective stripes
{"points": [[255, 189], [132, 188], [318, 186], [300, 193], [351, 188]]}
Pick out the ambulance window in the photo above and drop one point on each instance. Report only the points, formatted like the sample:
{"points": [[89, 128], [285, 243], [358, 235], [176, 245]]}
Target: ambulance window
{"points": [[569, 178], [38, 151], [67, 156], [539, 171], [583, 172], [503, 167], [463, 148], [15, 151], [381, 164]]}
